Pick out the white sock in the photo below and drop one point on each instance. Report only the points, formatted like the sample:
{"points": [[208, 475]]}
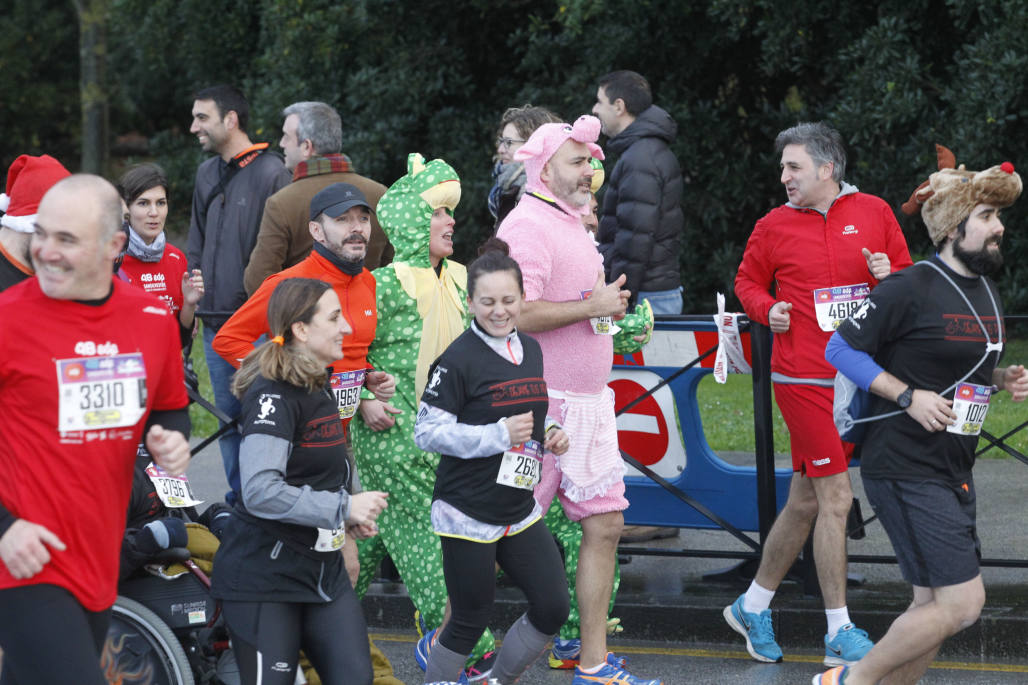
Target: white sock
{"points": [[757, 599], [837, 618]]}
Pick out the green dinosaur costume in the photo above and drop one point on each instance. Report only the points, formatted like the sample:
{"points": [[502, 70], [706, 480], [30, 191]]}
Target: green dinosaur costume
{"points": [[420, 313]]}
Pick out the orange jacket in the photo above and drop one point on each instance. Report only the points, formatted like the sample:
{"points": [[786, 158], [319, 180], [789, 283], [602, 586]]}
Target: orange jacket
{"points": [[235, 339]]}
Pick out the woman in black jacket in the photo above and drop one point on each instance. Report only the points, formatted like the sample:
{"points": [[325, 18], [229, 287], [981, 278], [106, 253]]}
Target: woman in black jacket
{"points": [[279, 570]]}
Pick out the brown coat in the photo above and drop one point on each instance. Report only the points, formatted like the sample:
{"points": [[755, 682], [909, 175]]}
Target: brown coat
{"points": [[285, 240]]}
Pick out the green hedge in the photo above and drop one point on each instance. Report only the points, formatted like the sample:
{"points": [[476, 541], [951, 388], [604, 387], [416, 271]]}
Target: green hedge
{"points": [[432, 76]]}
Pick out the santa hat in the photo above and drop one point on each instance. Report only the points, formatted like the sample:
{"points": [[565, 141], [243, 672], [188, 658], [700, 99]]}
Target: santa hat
{"points": [[28, 179], [949, 195]]}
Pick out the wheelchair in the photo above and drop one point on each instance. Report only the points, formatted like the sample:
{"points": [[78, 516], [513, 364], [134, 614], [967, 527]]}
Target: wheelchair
{"points": [[168, 632]]}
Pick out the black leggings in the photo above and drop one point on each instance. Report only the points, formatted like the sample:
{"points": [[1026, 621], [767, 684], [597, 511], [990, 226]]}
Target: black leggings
{"points": [[533, 563], [48, 638], [267, 638]]}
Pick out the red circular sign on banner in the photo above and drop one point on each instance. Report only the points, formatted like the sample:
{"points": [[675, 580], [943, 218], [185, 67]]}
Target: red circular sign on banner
{"points": [[648, 447]]}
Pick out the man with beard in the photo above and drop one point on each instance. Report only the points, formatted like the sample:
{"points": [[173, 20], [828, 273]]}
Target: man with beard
{"points": [[228, 202], [340, 223], [28, 179], [930, 330], [569, 308], [820, 253]]}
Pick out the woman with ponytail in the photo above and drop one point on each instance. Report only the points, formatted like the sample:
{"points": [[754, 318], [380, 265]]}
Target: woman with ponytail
{"points": [[280, 573]]}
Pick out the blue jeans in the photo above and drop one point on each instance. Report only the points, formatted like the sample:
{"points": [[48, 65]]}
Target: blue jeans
{"points": [[663, 301], [221, 372]]}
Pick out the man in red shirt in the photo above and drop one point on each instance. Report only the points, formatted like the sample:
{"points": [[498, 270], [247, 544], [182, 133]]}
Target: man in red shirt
{"points": [[821, 253], [87, 362]]}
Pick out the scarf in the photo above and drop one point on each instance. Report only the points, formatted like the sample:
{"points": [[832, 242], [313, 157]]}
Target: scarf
{"points": [[143, 252], [327, 164], [348, 268]]}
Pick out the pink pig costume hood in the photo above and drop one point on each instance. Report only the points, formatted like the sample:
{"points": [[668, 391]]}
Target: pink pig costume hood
{"points": [[541, 145]]}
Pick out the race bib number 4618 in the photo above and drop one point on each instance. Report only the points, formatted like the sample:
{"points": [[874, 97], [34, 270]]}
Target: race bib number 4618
{"points": [[101, 392], [832, 306]]}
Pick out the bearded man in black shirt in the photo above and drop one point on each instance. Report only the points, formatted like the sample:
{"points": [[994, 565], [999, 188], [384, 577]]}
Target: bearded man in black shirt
{"points": [[927, 343]]}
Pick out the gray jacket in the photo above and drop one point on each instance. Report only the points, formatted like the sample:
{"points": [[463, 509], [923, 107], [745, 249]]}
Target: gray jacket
{"points": [[222, 237]]}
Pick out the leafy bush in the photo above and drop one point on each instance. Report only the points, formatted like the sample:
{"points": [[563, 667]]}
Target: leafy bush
{"points": [[895, 76]]}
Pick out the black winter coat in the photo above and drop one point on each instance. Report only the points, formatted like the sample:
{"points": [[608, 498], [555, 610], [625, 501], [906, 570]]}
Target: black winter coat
{"points": [[640, 232]]}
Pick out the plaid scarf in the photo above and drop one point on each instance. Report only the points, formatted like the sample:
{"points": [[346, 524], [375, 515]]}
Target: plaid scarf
{"points": [[315, 166]]}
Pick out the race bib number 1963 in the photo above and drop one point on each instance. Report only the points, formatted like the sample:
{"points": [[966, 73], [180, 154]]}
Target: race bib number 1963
{"points": [[347, 386], [101, 392]]}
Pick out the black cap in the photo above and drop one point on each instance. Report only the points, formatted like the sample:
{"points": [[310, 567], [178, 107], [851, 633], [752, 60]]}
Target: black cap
{"points": [[336, 199]]}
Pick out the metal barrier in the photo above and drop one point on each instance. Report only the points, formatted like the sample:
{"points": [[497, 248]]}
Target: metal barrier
{"points": [[675, 479]]}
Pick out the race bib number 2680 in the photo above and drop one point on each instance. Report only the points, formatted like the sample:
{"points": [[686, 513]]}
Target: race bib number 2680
{"points": [[101, 392]]}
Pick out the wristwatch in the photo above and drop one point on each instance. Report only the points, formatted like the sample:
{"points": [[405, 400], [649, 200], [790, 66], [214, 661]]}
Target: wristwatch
{"points": [[905, 397]]}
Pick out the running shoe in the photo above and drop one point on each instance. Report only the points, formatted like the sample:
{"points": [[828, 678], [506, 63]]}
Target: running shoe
{"points": [[480, 670], [834, 676], [565, 655], [849, 646], [757, 629], [423, 647], [610, 675]]}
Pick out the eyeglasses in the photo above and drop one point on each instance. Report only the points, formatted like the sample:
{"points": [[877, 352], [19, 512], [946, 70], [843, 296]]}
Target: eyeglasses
{"points": [[507, 142]]}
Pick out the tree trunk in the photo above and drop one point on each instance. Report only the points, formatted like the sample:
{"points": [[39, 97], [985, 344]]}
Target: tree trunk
{"points": [[93, 82]]}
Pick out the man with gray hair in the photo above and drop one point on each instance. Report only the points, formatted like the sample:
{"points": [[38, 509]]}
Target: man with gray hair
{"points": [[820, 253], [312, 138]]}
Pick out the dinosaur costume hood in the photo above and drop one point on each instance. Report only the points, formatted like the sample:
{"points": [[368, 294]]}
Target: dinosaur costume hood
{"points": [[405, 211]]}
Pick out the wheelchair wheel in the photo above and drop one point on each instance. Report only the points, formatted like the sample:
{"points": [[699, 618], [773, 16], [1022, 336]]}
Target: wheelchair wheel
{"points": [[140, 648]]}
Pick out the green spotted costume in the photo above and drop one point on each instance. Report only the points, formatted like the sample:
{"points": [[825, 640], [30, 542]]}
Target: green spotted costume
{"points": [[420, 313]]}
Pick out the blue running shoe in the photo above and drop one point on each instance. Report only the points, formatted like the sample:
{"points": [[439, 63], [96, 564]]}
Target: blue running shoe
{"points": [[423, 647], [610, 675], [757, 629], [849, 646], [565, 655]]}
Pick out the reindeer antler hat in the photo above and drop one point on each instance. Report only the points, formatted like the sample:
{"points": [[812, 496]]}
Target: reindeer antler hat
{"points": [[949, 195]]}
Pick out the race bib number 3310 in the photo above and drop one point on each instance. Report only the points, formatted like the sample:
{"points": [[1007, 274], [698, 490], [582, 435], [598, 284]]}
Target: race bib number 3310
{"points": [[101, 392]]}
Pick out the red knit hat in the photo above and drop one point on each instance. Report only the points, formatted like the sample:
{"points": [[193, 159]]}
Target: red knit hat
{"points": [[28, 179]]}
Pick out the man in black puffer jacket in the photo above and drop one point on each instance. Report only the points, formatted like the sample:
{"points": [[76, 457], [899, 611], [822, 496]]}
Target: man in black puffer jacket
{"points": [[641, 229]]}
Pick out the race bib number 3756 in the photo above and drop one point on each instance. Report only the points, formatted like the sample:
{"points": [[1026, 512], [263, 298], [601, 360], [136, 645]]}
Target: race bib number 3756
{"points": [[101, 392]]}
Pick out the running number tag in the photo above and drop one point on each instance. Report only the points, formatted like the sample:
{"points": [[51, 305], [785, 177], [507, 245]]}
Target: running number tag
{"points": [[970, 404], [101, 392], [174, 491], [330, 540], [346, 385], [834, 305], [521, 465], [602, 325]]}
